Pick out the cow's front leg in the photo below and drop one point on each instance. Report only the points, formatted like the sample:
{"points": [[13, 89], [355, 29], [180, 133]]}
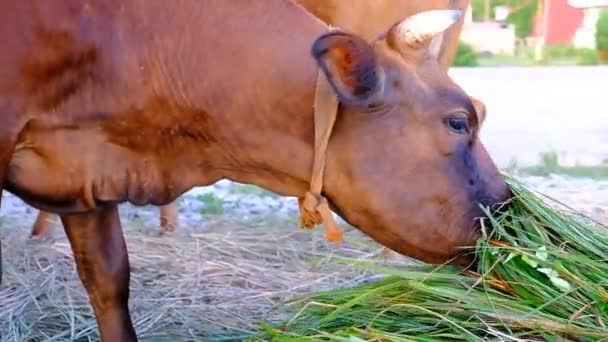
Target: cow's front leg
{"points": [[103, 266]]}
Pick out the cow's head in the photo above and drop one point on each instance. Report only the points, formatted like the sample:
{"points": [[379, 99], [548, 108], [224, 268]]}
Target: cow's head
{"points": [[405, 163]]}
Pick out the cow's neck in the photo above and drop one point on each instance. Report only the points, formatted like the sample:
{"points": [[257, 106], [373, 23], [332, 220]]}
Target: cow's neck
{"points": [[272, 148], [253, 96]]}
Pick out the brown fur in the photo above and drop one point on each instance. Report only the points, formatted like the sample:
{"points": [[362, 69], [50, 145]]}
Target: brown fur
{"points": [[57, 70], [367, 18], [184, 95]]}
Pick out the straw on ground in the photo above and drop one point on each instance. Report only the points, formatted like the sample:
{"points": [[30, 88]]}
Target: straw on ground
{"points": [[217, 279]]}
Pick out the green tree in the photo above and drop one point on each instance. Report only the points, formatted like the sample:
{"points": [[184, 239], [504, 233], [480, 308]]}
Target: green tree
{"points": [[601, 32], [465, 56], [479, 6], [523, 19]]}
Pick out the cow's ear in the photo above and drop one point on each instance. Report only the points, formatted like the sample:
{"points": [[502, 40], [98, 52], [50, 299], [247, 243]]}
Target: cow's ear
{"points": [[481, 110], [351, 67]]}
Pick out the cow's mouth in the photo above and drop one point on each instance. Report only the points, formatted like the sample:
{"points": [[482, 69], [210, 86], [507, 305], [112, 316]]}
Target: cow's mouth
{"points": [[468, 257]]}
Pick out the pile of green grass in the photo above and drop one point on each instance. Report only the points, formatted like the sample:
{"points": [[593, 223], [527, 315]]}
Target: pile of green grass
{"points": [[542, 275]]}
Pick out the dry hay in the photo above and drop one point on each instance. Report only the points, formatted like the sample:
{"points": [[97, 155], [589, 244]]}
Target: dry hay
{"points": [[216, 280]]}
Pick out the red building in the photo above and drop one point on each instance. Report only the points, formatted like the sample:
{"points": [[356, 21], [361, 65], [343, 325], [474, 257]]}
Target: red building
{"points": [[557, 21]]}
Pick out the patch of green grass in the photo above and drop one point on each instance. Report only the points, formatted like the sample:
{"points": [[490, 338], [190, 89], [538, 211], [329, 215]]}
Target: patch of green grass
{"points": [[504, 60], [552, 56], [541, 276], [588, 57], [212, 204], [246, 189], [549, 164]]}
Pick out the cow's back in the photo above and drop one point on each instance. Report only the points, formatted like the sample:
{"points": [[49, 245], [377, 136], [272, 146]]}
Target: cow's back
{"points": [[211, 50]]}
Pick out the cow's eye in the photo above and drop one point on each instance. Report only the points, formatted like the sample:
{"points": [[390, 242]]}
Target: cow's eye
{"points": [[458, 123]]}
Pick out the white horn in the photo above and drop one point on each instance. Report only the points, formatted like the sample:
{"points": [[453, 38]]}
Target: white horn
{"points": [[422, 27]]}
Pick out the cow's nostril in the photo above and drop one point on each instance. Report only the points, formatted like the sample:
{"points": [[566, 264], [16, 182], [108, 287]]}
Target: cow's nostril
{"points": [[471, 182]]}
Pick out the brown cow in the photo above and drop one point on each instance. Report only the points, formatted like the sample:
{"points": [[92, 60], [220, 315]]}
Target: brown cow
{"points": [[139, 101], [365, 18]]}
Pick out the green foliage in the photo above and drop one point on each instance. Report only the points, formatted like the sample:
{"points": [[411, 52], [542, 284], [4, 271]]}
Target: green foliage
{"points": [[561, 51], [479, 6], [478, 9], [601, 33], [588, 57], [549, 160], [465, 56], [550, 164], [553, 55], [540, 277], [212, 205], [523, 19], [568, 54]]}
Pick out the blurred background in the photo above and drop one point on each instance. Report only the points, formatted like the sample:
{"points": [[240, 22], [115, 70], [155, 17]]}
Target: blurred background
{"points": [[537, 64], [541, 68]]}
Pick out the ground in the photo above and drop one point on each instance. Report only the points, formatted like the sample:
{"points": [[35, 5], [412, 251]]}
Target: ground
{"points": [[239, 256], [236, 257]]}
